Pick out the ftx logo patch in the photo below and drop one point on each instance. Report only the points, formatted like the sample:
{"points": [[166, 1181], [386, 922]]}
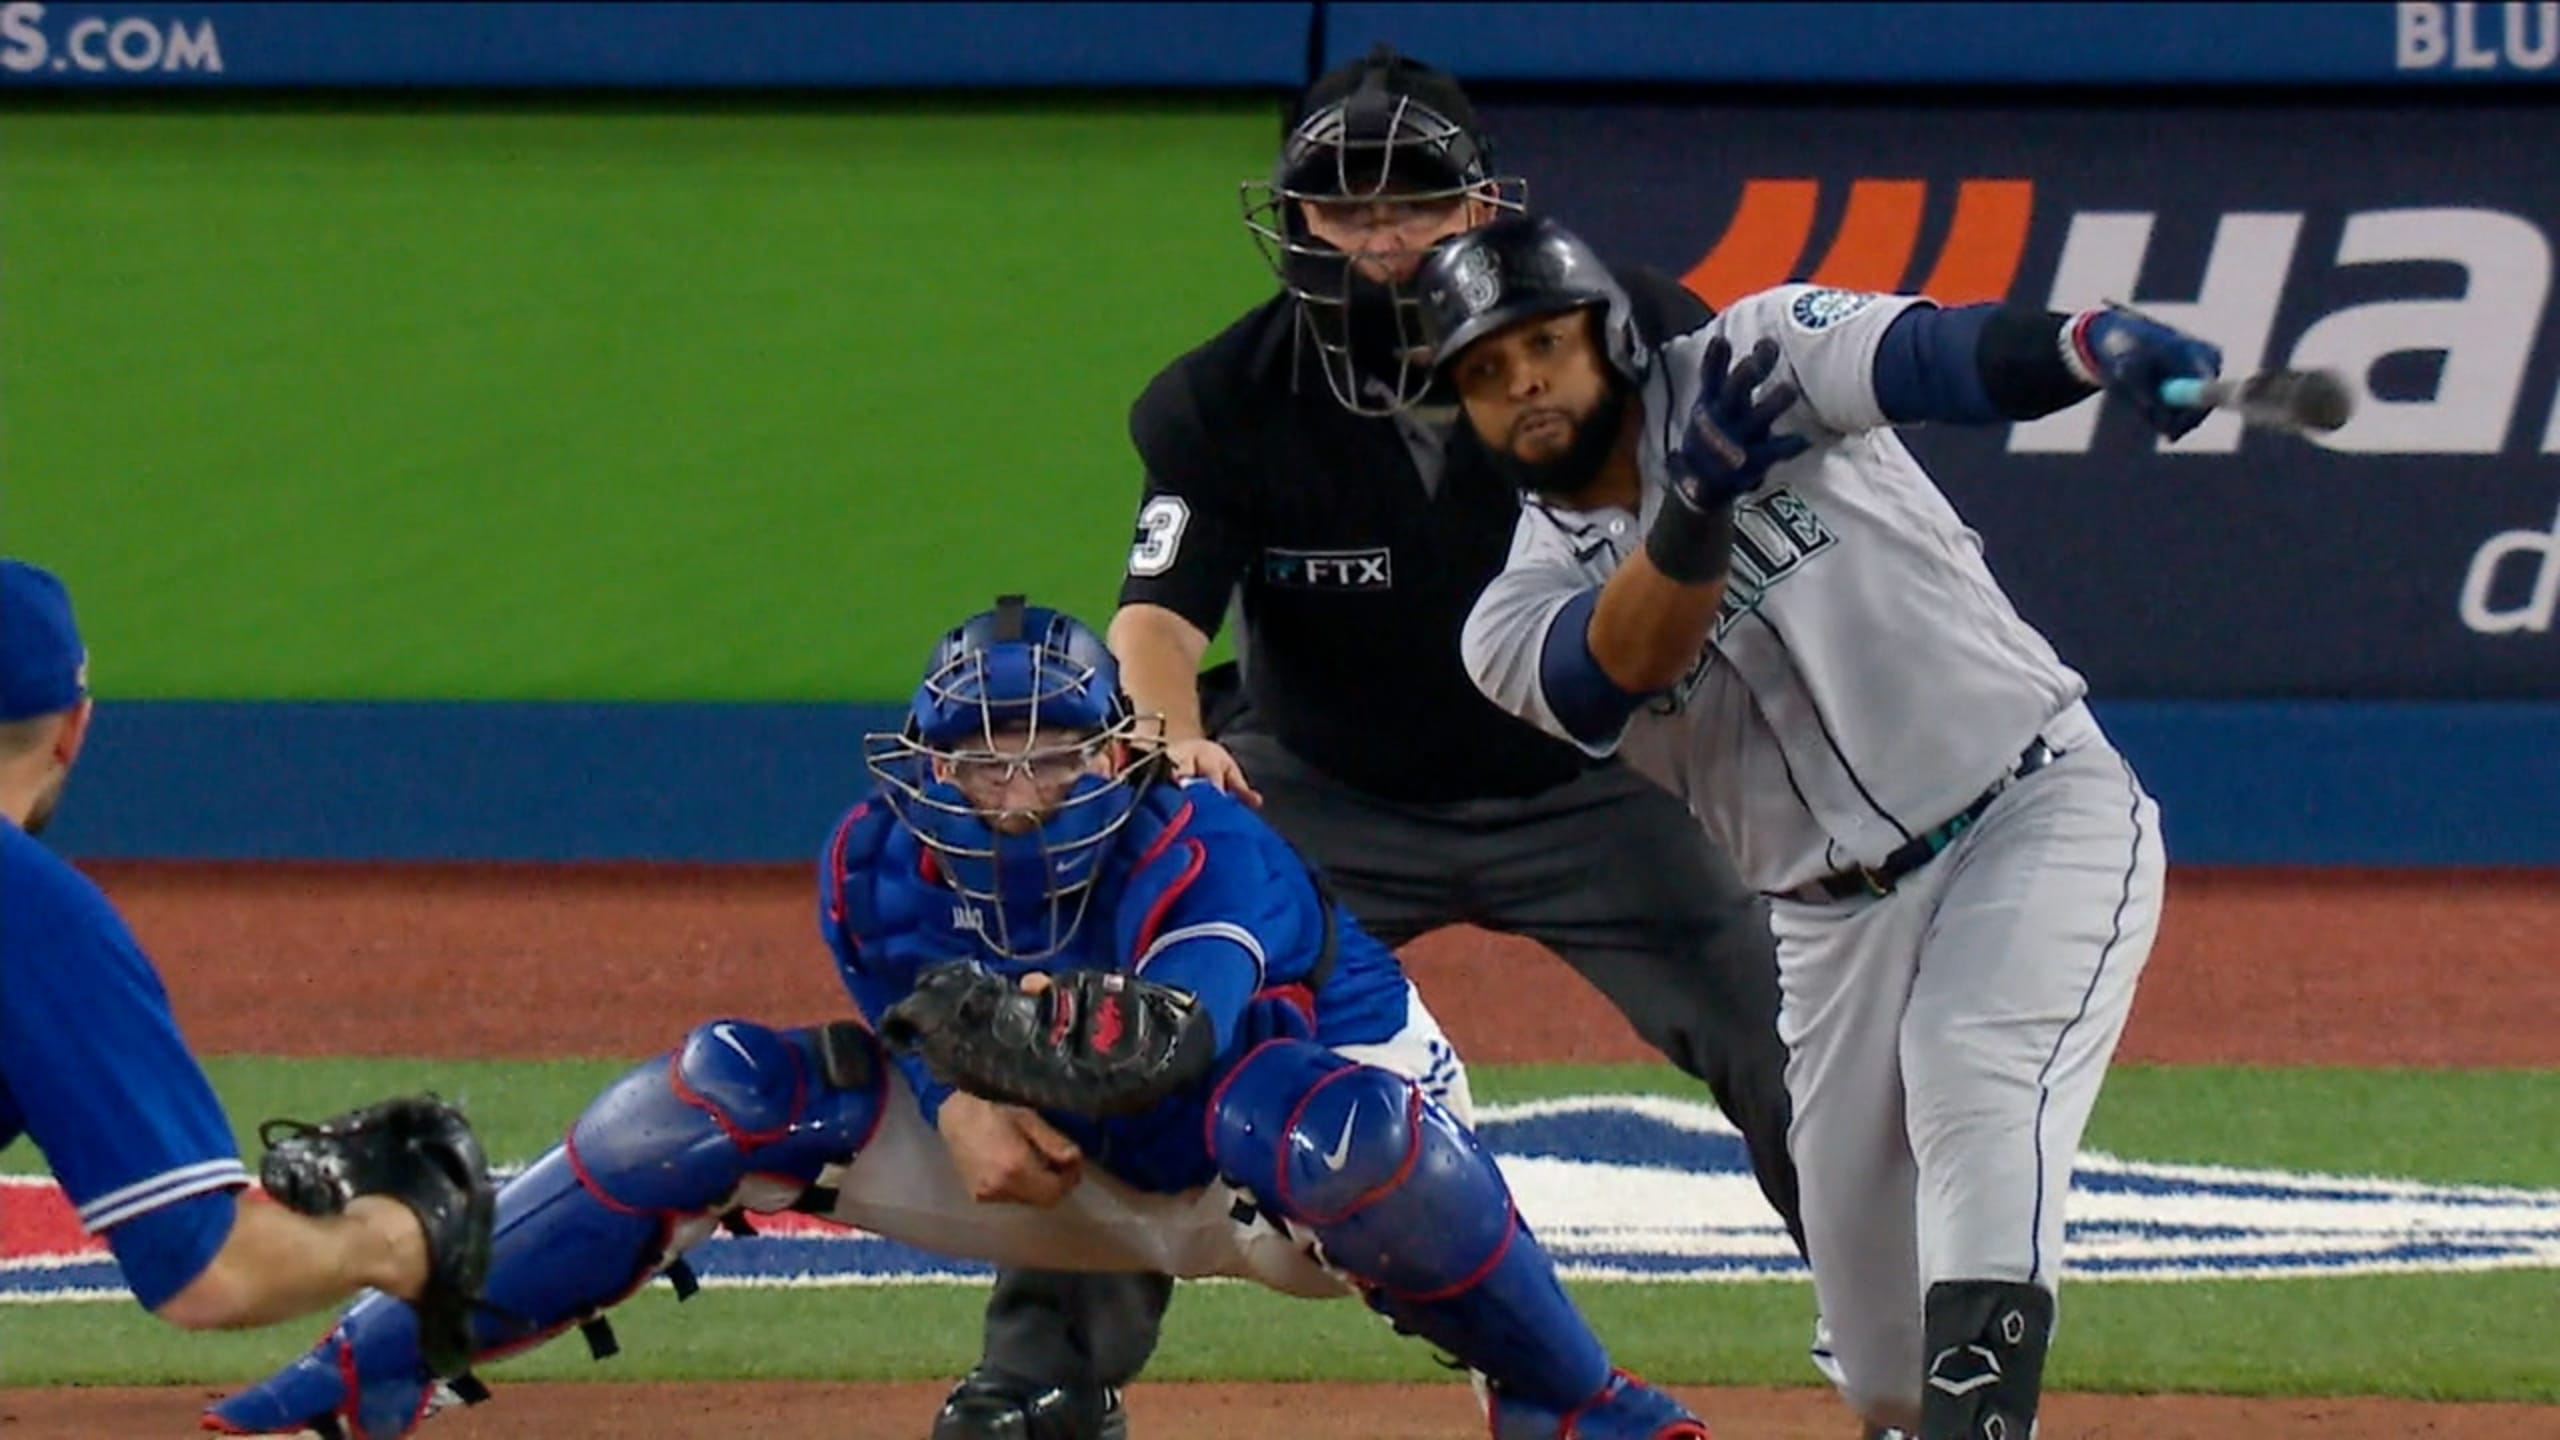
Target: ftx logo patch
{"points": [[1329, 569]]}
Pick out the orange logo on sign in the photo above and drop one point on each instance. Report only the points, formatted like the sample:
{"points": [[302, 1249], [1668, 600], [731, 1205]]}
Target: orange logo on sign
{"points": [[1873, 250]]}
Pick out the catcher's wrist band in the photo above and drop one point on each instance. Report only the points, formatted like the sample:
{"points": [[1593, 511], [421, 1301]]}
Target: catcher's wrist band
{"points": [[1690, 546]]}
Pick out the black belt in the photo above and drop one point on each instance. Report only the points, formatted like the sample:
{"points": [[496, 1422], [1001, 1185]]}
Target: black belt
{"points": [[1874, 880]]}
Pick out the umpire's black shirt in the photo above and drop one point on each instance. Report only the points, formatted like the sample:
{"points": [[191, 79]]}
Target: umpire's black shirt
{"points": [[1357, 568]]}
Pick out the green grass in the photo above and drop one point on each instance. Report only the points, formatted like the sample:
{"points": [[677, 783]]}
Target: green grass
{"points": [[2467, 1336], [703, 403], [2482, 1126]]}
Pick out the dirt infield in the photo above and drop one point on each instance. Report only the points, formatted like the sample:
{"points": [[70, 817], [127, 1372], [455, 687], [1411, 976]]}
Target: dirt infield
{"points": [[2261, 967], [1252, 1412]]}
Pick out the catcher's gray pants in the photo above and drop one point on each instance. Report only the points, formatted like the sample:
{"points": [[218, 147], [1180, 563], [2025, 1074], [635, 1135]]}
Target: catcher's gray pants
{"points": [[1608, 871]]}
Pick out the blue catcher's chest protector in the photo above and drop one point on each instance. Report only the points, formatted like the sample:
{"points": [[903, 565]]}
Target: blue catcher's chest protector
{"points": [[1195, 891]]}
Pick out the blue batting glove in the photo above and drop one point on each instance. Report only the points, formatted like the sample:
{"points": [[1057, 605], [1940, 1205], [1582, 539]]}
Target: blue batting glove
{"points": [[2129, 356], [1727, 447]]}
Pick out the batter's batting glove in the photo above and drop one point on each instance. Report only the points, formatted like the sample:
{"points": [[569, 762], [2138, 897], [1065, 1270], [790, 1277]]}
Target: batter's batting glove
{"points": [[2129, 355], [1724, 451]]}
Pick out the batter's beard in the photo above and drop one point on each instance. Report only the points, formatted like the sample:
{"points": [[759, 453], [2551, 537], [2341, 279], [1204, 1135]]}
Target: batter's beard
{"points": [[1571, 473]]}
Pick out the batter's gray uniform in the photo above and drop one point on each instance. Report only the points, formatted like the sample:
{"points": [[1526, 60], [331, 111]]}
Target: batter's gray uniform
{"points": [[1865, 684]]}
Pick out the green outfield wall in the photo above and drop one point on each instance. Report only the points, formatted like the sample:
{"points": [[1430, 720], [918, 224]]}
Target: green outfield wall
{"points": [[576, 404]]}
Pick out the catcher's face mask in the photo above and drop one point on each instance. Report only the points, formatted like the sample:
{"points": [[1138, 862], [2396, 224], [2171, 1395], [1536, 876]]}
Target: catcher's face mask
{"points": [[1016, 771], [1364, 187]]}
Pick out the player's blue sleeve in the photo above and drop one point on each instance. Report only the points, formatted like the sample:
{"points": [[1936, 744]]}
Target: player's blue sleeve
{"points": [[1220, 908], [162, 1251], [1928, 367], [850, 921], [110, 1093], [1581, 694]]}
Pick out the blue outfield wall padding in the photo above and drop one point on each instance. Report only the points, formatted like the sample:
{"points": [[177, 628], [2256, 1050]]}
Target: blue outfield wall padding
{"points": [[1257, 45], [2239, 783], [457, 781]]}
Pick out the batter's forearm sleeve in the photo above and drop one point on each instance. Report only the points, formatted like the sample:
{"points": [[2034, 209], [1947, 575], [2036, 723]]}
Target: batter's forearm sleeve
{"points": [[1974, 365]]}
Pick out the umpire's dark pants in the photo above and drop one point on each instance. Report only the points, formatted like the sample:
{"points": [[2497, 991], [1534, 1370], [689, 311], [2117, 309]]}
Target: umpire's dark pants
{"points": [[1608, 871]]}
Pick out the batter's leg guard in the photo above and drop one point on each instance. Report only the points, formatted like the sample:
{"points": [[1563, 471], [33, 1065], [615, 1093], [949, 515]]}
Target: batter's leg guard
{"points": [[1986, 1344], [739, 1117], [1400, 1196]]}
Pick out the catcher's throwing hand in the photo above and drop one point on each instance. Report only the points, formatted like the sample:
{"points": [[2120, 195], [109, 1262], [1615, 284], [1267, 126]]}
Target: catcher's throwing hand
{"points": [[1008, 1153], [1089, 1042], [419, 1151]]}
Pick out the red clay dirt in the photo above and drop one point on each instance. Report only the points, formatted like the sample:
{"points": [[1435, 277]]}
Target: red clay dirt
{"points": [[2252, 967], [779, 1411], [2262, 967]]}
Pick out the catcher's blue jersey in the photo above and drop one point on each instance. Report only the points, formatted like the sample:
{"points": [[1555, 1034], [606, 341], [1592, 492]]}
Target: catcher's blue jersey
{"points": [[1197, 893], [93, 1067]]}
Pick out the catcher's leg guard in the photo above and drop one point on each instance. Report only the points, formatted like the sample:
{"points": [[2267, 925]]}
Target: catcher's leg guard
{"points": [[1986, 1341], [1400, 1196], [737, 1117]]}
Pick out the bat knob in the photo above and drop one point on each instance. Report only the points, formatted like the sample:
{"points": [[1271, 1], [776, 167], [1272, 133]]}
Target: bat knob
{"points": [[2184, 393]]}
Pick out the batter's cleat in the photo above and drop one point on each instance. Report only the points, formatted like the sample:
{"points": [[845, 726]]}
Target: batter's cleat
{"points": [[988, 1404], [1628, 1409]]}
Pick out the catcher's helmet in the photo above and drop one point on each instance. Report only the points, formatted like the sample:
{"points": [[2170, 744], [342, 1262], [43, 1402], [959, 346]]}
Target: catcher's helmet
{"points": [[1017, 668], [1520, 268], [1380, 126]]}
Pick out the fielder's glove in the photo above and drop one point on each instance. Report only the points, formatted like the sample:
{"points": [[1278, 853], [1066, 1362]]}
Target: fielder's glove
{"points": [[419, 1151], [1724, 451], [2129, 355], [1095, 1042]]}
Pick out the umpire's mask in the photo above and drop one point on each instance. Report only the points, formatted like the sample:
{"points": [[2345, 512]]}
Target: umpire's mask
{"points": [[1382, 136]]}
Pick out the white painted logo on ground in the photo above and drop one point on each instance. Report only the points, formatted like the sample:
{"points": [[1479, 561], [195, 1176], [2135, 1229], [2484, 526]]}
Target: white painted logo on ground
{"points": [[1650, 1188]]}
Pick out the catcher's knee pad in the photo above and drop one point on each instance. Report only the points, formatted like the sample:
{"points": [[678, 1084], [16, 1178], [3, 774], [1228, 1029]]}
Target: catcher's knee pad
{"points": [[739, 1116], [1400, 1196], [1986, 1344]]}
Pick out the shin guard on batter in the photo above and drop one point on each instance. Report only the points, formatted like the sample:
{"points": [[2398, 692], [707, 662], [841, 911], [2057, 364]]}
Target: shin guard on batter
{"points": [[1986, 1344], [737, 1117], [1399, 1196]]}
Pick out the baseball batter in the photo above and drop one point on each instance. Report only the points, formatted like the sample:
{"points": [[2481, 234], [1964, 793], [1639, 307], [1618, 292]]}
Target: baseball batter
{"points": [[1756, 595]]}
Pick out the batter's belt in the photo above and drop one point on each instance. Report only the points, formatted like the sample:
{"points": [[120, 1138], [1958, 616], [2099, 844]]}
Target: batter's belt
{"points": [[1877, 880]]}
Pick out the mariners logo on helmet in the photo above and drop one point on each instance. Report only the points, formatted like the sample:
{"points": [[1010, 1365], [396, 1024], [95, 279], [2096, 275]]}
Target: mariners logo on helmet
{"points": [[1478, 280]]}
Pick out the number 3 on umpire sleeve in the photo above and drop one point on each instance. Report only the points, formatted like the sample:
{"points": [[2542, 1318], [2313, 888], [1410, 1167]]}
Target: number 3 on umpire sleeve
{"points": [[1160, 523]]}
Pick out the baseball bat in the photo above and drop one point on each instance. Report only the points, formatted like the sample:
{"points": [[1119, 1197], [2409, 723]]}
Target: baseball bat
{"points": [[2296, 400]]}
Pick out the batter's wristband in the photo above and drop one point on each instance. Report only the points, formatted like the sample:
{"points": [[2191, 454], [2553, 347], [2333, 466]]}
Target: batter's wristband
{"points": [[1691, 547]]}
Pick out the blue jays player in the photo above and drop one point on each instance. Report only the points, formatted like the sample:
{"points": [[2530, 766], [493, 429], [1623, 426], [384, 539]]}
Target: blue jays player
{"points": [[1760, 598], [93, 1069], [1265, 1095]]}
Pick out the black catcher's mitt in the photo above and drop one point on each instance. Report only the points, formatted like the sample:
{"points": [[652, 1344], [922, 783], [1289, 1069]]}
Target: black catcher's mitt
{"points": [[417, 1150], [1095, 1042]]}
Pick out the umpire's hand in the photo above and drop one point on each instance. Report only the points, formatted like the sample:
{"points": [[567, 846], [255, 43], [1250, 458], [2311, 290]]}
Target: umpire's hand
{"points": [[1208, 760]]}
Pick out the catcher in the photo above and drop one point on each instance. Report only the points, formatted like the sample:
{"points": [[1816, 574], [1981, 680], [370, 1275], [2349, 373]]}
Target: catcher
{"points": [[1116, 1026], [92, 1067]]}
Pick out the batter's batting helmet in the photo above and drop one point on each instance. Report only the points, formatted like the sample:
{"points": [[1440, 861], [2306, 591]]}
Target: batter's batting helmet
{"points": [[1017, 667], [1520, 268], [1383, 126]]}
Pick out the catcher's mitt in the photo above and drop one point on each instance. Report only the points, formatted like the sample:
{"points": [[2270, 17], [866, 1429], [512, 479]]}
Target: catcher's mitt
{"points": [[417, 1150], [1095, 1042]]}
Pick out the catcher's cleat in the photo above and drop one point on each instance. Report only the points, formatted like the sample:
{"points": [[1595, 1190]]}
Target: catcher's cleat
{"points": [[988, 1404], [1628, 1409]]}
